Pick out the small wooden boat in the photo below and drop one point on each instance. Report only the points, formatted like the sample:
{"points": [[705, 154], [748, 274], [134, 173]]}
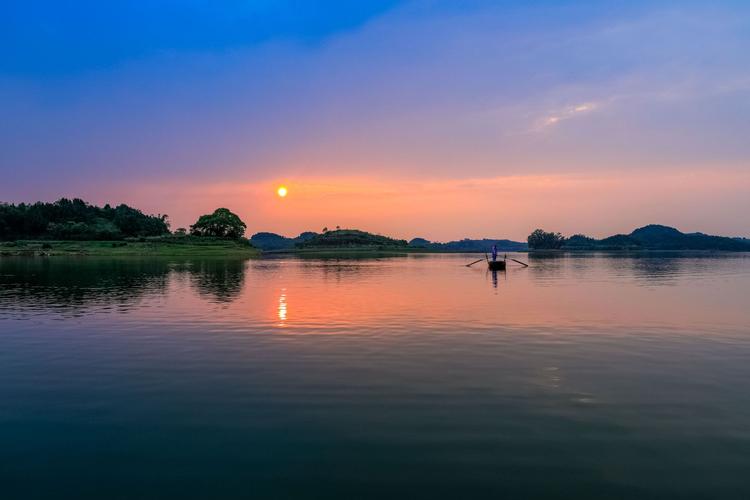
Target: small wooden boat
{"points": [[496, 265]]}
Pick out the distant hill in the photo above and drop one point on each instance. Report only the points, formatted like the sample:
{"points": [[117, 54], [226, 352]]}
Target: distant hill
{"points": [[347, 238], [419, 243], [272, 241], [467, 245], [657, 237]]}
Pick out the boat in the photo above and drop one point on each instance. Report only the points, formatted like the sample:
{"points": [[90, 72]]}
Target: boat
{"points": [[496, 265]]}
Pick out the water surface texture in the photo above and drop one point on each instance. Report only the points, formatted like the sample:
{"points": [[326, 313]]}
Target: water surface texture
{"points": [[587, 376]]}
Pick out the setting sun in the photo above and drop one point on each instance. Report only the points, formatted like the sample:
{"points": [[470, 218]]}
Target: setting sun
{"points": [[282, 191]]}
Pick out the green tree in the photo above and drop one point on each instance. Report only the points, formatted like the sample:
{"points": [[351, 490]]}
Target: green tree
{"points": [[76, 219], [221, 224], [542, 240]]}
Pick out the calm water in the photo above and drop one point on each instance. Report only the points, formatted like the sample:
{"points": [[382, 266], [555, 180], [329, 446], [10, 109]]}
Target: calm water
{"points": [[413, 377]]}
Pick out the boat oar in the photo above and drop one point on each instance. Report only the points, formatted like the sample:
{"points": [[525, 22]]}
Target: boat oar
{"points": [[469, 265], [522, 263]]}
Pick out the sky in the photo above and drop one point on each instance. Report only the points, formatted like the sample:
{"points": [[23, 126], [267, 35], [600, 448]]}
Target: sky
{"points": [[440, 120]]}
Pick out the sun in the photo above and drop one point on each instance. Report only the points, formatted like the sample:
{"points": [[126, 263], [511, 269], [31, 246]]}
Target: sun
{"points": [[282, 191]]}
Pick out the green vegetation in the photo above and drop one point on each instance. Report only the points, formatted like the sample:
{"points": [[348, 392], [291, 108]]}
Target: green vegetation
{"points": [[651, 237], [543, 240], [77, 220], [74, 227], [351, 238], [164, 246], [220, 224]]}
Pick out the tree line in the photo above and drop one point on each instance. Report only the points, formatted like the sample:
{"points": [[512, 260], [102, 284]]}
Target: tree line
{"points": [[76, 219], [544, 240]]}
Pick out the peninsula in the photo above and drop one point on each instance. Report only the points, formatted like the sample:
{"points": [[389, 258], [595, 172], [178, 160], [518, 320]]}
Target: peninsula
{"points": [[75, 227]]}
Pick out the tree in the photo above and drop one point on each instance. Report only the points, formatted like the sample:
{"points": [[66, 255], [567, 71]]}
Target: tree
{"points": [[542, 240], [180, 231], [76, 219], [221, 224]]}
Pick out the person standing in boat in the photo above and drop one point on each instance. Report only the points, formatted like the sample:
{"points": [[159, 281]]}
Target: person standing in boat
{"points": [[494, 253]]}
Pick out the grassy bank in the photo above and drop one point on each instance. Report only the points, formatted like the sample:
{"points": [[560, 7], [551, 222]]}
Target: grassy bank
{"points": [[157, 247]]}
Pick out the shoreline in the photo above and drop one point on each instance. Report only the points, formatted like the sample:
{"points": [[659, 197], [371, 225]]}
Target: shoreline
{"points": [[119, 248], [231, 248], [357, 250]]}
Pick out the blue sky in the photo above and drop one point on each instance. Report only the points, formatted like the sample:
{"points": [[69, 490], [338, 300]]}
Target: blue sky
{"points": [[53, 38], [101, 99]]}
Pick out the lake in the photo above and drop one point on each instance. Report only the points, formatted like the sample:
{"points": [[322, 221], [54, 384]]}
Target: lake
{"points": [[582, 376]]}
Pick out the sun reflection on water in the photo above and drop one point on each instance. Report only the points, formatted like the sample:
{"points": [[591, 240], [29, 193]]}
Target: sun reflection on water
{"points": [[282, 307]]}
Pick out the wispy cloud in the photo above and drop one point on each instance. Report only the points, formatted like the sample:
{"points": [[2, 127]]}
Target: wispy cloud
{"points": [[565, 113]]}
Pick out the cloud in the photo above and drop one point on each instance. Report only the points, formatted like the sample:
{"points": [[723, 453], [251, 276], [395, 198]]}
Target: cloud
{"points": [[565, 114]]}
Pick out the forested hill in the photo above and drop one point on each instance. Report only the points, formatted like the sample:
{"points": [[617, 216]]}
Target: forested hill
{"points": [[658, 237], [76, 220], [651, 237], [272, 241], [350, 238]]}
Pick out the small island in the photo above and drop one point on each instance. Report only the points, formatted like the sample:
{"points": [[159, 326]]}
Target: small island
{"points": [[357, 240]]}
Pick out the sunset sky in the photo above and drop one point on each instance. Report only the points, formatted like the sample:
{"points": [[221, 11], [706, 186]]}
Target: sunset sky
{"points": [[435, 119]]}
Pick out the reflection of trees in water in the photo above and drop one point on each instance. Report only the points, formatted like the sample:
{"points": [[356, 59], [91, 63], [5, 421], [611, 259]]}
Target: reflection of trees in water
{"points": [[78, 283], [546, 266], [340, 270], [652, 268], [218, 279]]}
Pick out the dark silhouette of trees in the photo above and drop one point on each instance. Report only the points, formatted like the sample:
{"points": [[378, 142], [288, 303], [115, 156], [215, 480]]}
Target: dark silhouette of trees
{"points": [[220, 224], [77, 220], [343, 238], [542, 240]]}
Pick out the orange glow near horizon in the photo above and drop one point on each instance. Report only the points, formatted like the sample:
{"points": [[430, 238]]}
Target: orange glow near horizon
{"points": [[446, 209]]}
